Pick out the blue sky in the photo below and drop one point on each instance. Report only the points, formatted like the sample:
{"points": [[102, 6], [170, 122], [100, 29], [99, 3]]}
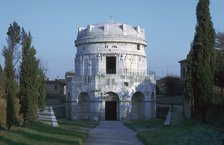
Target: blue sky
{"points": [[169, 25]]}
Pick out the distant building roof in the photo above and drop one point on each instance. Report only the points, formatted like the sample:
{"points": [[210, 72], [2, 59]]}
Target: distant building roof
{"points": [[69, 75], [182, 61], [58, 81]]}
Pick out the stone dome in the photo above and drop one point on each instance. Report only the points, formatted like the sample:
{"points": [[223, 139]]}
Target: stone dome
{"points": [[110, 32]]}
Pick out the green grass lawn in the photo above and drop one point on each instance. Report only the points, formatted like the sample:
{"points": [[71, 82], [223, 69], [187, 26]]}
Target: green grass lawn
{"points": [[144, 125], [69, 133], [188, 133]]}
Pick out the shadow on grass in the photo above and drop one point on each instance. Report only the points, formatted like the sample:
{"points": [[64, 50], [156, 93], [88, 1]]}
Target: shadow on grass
{"points": [[186, 133], [141, 125], [10, 142], [39, 127], [46, 139]]}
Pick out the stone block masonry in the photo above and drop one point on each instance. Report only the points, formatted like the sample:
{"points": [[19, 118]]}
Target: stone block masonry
{"points": [[111, 81]]}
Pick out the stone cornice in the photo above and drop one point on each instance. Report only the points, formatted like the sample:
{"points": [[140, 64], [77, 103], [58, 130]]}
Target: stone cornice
{"points": [[118, 39]]}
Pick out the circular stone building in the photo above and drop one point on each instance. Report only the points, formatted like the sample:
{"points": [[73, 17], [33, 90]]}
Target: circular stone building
{"points": [[111, 81]]}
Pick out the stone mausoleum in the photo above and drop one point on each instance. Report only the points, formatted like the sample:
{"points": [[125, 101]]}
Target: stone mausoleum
{"points": [[111, 81]]}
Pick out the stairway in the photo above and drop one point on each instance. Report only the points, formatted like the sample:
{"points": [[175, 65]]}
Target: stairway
{"points": [[47, 116]]}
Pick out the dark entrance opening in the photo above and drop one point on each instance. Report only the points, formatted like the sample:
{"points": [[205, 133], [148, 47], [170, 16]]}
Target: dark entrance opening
{"points": [[111, 110], [111, 65]]}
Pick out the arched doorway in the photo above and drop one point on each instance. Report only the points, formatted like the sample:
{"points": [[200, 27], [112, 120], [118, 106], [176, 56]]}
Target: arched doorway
{"points": [[138, 106], [112, 106], [83, 106]]}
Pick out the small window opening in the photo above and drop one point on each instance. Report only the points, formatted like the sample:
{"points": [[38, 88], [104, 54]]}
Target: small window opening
{"points": [[126, 84], [111, 65], [138, 47], [114, 46]]}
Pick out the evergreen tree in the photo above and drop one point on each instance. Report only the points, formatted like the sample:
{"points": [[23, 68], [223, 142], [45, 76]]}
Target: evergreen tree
{"points": [[188, 84], [2, 89], [10, 87], [14, 35], [201, 61], [1, 70], [41, 90], [28, 80], [13, 40]]}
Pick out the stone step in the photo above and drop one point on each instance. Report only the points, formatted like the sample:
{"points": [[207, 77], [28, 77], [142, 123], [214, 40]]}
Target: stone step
{"points": [[47, 116]]}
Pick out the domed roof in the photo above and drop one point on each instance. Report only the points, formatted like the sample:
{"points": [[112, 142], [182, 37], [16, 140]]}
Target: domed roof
{"points": [[110, 31]]}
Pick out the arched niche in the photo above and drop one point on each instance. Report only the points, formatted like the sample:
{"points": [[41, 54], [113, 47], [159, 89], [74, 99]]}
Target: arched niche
{"points": [[138, 106], [83, 106]]}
